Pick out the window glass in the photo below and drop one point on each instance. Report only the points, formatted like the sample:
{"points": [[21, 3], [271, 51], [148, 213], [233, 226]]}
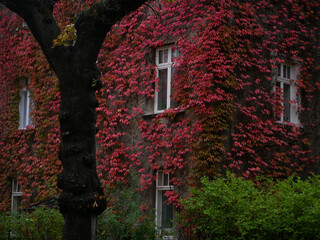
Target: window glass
{"points": [[286, 102], [164, 210], [166, 71], [16, 196], [173, 103], [15, 186], [166, 180], [15, 203], [163, 56], [162, 93], [24, 109], [286, 90], [24, 99], [160, 181], [167, 212], [175, 53], [284, 71], [288, 72]]}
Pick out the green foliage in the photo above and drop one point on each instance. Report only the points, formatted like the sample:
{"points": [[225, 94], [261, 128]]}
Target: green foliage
{"points": [[66, 37], [47, 224], [113, 225], [125, 220], [236, 209], [41, 224], [4, 227]]}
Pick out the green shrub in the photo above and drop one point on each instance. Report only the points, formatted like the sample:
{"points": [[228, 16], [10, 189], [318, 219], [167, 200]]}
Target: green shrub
{"points": [[41, 224], [232, 208], [4, 226], [125, 220], [47, 224], [118, 226]]}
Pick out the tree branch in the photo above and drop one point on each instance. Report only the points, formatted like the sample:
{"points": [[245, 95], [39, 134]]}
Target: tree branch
{"points": [[93, 24], [38, 15]]}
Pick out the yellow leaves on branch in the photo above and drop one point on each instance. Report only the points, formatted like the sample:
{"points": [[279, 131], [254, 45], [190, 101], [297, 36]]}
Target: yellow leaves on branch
{"points": [[67, 37]]}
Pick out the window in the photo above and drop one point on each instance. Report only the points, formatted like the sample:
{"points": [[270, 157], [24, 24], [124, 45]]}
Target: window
{"points": [[15, 196], [165, 71], [24, 108], [164, 210], [287, 89]]}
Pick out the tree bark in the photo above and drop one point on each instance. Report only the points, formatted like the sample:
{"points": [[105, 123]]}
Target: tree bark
{"points": [[82, 198]]}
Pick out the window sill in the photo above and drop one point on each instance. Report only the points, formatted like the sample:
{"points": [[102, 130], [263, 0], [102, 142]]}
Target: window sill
{"points": [[290, 124], [167, 238], [167, 233], [28, 127], [16, 194], [152, 115]]}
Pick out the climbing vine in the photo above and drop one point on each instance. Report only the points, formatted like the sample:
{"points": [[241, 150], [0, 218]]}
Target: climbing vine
{"points": [[226, 118], [224, 86]]}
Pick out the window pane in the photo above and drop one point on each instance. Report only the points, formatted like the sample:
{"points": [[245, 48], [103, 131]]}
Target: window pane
{"points": [[175, 53], [166, 180], [162, 94], [31, 107], [173, 104], [167, 213], [286, 103], [284, 71], [279, 96], [14, 187], [279, 70], [24, 108], [16, 203], [18, 187], [163, 56], [160, 181], [288, 72]]}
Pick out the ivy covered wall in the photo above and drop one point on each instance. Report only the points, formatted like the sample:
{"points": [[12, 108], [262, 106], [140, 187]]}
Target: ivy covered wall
{"points": [[227, 113]]}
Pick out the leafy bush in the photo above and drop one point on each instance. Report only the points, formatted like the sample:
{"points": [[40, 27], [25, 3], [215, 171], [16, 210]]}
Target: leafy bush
{"points": [[232, 208], [47, 224], [114, 225], [41, 224], [124, 220], [4, 227]]}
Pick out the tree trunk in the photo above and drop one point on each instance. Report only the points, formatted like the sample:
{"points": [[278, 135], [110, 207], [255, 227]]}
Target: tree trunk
{"points": [[82, 197]]}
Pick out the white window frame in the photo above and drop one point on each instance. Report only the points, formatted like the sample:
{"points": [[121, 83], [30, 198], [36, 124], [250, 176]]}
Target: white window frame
{"points": [[162, 186], [24, 108], [291, 81], [169, 65], [16, 194]]}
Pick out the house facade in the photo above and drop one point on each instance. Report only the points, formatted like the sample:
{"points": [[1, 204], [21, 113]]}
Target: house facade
{"points": [[190, 89]]}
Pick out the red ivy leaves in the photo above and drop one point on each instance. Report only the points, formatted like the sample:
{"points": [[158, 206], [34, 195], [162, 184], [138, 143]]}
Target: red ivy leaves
{"points": [[223, 86]]}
